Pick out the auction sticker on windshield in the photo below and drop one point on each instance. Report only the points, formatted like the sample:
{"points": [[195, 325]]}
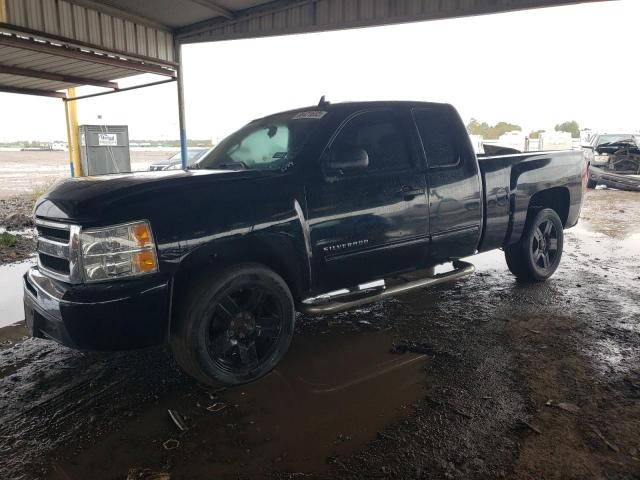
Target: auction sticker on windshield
{"points": [[315, 114]]}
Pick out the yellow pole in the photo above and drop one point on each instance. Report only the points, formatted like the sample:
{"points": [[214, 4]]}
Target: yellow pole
{"points": [[71, 113], [3, 11]]}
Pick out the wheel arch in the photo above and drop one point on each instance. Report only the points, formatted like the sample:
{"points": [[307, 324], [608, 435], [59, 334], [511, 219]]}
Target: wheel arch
{"points": [[557, 199], [278, 252]]}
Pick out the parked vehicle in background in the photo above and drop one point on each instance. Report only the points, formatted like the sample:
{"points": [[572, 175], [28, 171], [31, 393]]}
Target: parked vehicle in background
{"points": [[555, 141], [175, 161], [614, 160], [514, 139], [319, 210]]}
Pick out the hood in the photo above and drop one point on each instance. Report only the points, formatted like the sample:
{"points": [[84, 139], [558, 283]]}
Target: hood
{"points": [[612, 147], [95, 199]]}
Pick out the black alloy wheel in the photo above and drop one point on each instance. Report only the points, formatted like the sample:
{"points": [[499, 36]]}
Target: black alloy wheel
{"points": [[536, 256], [244, 327], [544, 247], [235, 326]]}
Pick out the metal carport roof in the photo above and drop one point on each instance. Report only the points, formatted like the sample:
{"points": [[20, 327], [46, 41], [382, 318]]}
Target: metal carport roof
{"points": [[39, 67], [49, 45]]}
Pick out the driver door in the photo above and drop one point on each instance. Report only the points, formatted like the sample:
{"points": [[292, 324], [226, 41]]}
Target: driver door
{"points": [[371, 220]]}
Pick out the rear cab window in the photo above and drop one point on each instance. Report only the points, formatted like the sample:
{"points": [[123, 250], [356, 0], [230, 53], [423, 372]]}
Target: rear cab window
{"points": [[443, 137]]}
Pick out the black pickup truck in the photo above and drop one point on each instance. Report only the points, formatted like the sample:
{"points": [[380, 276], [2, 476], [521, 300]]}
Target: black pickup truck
{"points": [[215, 260]]}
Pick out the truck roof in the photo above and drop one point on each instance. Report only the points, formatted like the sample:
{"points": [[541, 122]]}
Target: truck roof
{"points": [[353, 106]]}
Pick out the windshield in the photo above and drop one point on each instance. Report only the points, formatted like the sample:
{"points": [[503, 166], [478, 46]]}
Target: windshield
{"points": [[602, 139], [267, 144]]}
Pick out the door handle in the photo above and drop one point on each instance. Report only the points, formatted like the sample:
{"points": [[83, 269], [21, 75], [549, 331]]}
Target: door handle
{"points": [[408, 193]]}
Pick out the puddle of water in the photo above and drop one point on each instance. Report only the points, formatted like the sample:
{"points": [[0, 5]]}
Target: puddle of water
{"points": [[491, 260], [10, 335], [632, 244], [11, 309], [603, 245], [330, 395]]}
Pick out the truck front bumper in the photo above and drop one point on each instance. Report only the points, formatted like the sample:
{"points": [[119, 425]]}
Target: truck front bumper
{"points": [[117, 315]]}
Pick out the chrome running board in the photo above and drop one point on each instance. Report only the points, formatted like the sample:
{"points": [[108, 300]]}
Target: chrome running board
{"points": [[326, 304]]}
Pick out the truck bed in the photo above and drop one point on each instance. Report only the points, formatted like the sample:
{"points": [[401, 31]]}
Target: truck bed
{"points": [[510, 181]]}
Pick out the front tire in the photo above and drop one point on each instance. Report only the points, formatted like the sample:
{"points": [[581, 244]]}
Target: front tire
{"points": [[537, 255], [234, 327]]}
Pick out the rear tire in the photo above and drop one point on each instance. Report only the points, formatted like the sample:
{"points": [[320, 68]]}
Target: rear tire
{"points": [[537, 255], [235, 326]]}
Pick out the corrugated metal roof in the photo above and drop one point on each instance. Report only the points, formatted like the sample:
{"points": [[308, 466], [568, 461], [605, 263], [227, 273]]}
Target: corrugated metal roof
{"points": [[89, 41], [284, 17], [92, 26], [37, 66], [31, 83], [181, 13]]}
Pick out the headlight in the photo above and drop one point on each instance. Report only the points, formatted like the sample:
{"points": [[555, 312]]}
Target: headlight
{"points": [[119, 251]]}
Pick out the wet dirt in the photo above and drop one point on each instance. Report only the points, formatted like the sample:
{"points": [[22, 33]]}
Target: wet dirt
{"points": [[337, 392], [13, 334], [16, 221], [342, 406]]}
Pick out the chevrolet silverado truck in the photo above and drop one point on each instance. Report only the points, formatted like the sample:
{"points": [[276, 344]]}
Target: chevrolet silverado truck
{"points": [[314, 210]]}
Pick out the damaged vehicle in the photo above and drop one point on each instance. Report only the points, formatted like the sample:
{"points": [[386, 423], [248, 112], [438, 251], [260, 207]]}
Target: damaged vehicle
{"points": [[315, 210], [614, 161]]}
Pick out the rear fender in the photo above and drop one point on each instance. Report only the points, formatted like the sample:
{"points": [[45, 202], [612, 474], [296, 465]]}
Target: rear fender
{"points": [[553, 180]]}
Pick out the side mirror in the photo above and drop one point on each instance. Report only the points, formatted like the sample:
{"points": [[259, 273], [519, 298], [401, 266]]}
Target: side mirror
{"points": [[349, 159]]}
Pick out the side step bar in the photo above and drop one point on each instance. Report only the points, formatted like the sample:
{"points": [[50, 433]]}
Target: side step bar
{"points": [[324, 304]]}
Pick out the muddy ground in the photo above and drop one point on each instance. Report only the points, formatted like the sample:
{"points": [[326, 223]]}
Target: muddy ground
{"points": [[24, 176], [501, 380], [17, 233], [22, 172]]}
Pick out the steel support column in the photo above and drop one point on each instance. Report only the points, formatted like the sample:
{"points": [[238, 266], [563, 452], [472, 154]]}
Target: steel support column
{"points": [[181, 115], [71, 113]]}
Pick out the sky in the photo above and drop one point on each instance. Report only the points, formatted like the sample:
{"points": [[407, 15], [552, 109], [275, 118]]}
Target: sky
{"points": [[534, 68]]}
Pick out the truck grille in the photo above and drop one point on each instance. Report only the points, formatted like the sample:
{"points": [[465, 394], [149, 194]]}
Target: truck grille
{"points": [[53, 233], [59, 250]]}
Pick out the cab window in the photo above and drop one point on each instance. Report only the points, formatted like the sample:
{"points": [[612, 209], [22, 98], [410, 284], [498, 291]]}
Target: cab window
{"points": [[378, 134], [441, 146]]}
